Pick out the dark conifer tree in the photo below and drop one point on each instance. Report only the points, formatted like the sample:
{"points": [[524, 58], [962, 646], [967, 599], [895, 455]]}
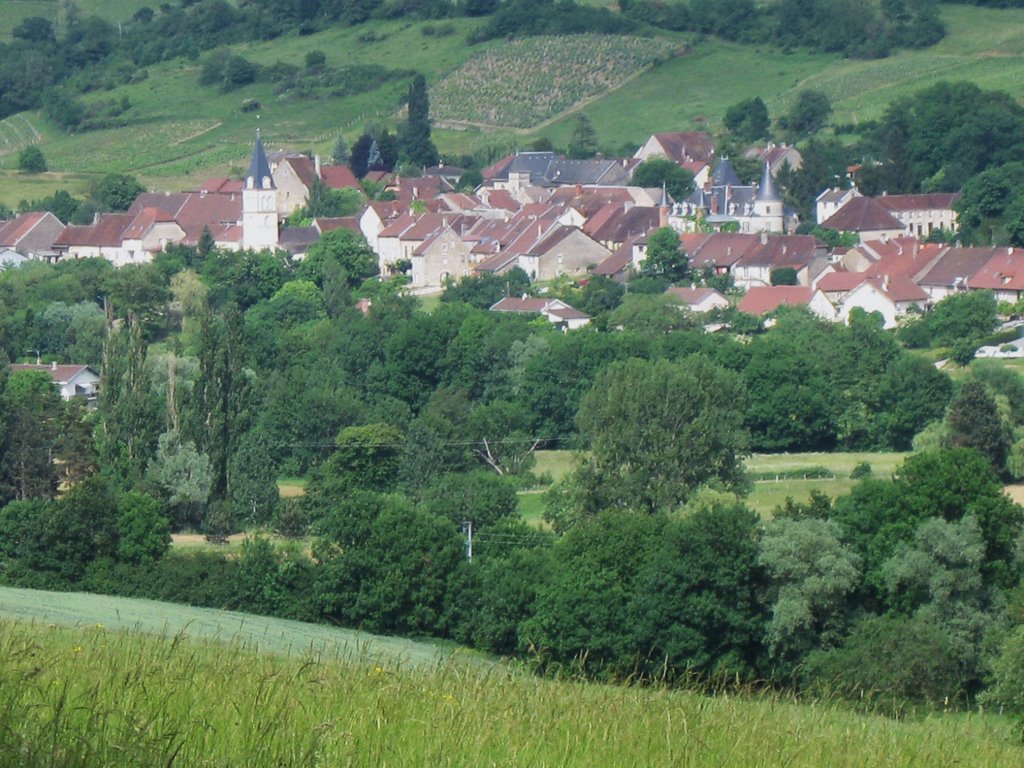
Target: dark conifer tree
{"points": [[414, 135]]}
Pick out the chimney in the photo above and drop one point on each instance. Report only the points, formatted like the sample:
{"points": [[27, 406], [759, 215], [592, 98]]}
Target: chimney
{"points": [[316, 165], [764, 237], [53, 366], [885, 283], [579, 190]]}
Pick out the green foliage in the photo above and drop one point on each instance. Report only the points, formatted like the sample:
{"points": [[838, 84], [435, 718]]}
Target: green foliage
{"points": [[31, 160], [659, 171], [182, 476], [665, 256], [483, 291], [658, 430], [813, 576], [886, 663], [143, 532], [364, 458], [583, 141], [698, 599], [117, 191], [480, 497], [524, 18], [748, 120], [414, 135], [31, 407], [974, 422], [392, 573], [807, 115], [346, 249], [784, 276]]}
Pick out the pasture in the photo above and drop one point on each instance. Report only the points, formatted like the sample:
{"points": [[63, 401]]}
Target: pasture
{"points": [[91, 695], [766, 494]]}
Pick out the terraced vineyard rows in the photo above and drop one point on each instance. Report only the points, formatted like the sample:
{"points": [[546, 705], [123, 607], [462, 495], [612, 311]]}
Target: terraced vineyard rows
{"points": [[529, 81]]}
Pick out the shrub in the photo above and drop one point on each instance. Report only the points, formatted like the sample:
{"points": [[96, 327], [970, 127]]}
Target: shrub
{"points": [[31, 160], [861, 470]]}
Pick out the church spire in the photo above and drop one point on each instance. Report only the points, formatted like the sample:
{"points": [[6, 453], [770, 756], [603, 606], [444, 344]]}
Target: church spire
{"points": [[259, 176]]}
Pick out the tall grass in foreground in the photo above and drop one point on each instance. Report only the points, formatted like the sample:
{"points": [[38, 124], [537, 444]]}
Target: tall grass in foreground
{"points": [[77, 697]]}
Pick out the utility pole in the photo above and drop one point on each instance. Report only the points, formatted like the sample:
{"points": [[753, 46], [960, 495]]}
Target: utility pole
{"points": [[467, 529]]}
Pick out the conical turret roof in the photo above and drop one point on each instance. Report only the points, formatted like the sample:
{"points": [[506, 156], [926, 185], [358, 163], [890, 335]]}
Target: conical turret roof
{"points": [[766, 191], [725, 175]]}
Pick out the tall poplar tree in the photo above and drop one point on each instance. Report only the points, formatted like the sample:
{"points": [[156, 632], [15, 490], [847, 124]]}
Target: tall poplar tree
{"points": [[414, 134], [128, 430]]}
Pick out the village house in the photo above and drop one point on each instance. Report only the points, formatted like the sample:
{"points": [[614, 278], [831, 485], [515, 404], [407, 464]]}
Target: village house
{"points": [[924, 213], [1003, 274], [776, 157], [891, 297], [442, 255], [699, 299], [831, 200], [866, 218], [71, 380], [555, 311], [31, 235], [760, 300], [953, 271], [678, 146], [805, 255]]}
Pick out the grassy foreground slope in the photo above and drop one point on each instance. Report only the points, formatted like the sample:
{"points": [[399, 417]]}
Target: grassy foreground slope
{"points": [[259, 633], [96, 697]]}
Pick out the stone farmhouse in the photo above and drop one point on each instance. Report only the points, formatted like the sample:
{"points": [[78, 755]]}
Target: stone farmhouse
{"points": [[846, 210], [31, 235]]}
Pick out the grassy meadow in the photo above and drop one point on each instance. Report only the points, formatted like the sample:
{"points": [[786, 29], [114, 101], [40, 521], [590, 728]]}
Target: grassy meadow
{"points": [[89, 695], [766, 494]]}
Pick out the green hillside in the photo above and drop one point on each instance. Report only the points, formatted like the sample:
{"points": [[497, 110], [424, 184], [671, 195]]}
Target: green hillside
{"points": [[256, 632], [92, 696], [177, 131]]}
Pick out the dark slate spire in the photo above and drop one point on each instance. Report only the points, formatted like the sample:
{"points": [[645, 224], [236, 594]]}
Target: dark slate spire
{"points": [[259, 167], [766, 192], [725, 175]]}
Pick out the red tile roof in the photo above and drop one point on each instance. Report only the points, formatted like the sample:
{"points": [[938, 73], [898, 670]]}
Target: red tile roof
{"points": [[956, 267], [12, 232], [687, 145], [339, 177], [935, 201], [862, 214], [326, 224], [304, 169], [105, 232], [761, 299], [840, 282], [1003, 271], [59, 373]]}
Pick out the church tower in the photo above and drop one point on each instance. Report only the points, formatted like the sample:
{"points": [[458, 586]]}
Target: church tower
{"points": [[259, 203], [768, 205]]}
